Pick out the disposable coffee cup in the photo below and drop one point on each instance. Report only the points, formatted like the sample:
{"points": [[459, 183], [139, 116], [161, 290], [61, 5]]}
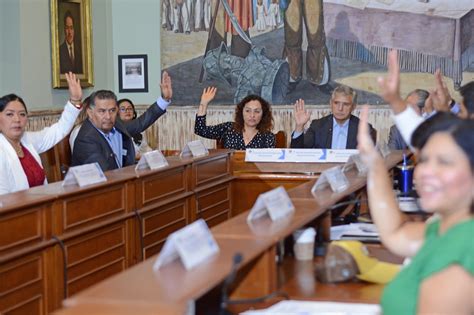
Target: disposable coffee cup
{"points": [[405, 178], [304, 244]]}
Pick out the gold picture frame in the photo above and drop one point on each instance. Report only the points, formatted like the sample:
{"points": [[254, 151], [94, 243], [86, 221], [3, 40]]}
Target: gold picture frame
{"points": [[71, 41]]}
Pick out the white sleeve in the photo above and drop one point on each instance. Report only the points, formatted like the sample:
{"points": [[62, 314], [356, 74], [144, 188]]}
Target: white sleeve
{"points": [[45, 139], [406, 122]]}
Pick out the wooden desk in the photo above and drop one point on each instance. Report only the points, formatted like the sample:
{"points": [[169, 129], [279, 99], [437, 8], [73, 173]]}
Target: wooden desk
{"points": [[257, 272], [56, 241]]}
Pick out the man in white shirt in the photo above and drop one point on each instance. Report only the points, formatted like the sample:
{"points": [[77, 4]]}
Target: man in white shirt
{"points": [[335, 131]]}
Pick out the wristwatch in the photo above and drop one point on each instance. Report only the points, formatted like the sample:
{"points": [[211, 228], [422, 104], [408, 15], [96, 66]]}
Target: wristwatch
{"points": [[77, 103]]}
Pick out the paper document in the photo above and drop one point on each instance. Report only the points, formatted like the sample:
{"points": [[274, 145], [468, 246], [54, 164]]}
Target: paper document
{"points": [[356, 231], [313, 308]]}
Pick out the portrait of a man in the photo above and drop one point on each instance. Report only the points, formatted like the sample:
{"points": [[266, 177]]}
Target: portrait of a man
{"points": [[70, 51]]}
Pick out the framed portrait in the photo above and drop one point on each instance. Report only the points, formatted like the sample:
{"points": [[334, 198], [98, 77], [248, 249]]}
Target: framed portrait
{"points": [[133, 73], [71, 41]]}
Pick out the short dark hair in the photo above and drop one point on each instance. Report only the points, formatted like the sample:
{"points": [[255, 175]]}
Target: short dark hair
{"points": [[68, 14], [441, 121], [102, 95], [131, 103], [265, 125], [4, 100], [467, 93]]}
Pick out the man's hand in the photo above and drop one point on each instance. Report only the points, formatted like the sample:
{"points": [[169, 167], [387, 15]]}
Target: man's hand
{"points": [[166, 87], [302, 116], [365, 145], [75, 90], [207, 96], [390, 84]]}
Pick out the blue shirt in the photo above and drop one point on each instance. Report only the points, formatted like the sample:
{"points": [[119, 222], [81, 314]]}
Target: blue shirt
{"points": [[115, 141], [339, 134]]}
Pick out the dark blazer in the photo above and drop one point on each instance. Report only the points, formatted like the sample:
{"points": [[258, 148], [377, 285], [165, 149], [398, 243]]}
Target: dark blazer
{"points": [[395, 139], [90, 146], [65, 62], [319, 134]]}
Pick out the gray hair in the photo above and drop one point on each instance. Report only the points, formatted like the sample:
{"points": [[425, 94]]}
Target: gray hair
{"points": [[345, 90]]}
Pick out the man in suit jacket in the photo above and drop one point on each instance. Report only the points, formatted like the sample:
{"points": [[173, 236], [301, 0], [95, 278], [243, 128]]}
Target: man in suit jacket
{"points": [[335, 131], [70, 53], [106, 139]]}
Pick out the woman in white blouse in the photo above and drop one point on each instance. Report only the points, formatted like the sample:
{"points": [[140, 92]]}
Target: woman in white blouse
{"points": [[20, 163]]}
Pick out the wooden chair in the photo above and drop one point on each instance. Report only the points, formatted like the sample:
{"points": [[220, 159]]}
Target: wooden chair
{"points": [[56, 161], [280, 141]]}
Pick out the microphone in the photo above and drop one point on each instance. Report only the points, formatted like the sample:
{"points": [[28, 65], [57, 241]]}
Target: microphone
{"points": [[236, 260]]}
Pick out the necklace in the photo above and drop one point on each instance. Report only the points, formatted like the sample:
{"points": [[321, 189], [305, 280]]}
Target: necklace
{"points": [[18, 149]]}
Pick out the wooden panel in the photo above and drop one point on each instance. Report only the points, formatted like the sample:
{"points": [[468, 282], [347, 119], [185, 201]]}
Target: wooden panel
{"points": [[96, 256], [100, 204], [22, 286], [161, 222], [211, 169], [21, 229], [213, 205], [163, 185]]}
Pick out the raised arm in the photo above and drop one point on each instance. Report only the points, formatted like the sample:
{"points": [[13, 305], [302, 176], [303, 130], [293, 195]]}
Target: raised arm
{"points": [[401, 237], [45, 139], [302, 116], [166, 87], [207, 96], [390, 84]]}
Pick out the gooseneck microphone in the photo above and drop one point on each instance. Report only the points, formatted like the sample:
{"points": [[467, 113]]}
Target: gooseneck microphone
{"points": [[236, 260]]}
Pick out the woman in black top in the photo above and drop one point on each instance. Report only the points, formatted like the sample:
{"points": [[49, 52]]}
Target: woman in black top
{"points": [[251, 128]]}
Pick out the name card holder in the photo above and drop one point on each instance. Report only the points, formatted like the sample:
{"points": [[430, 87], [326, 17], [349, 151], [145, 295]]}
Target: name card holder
{"points": [[356, 160], [195, 149], [275, 202], [193, 244], [84, 175], [153, 160], [334, 177]]}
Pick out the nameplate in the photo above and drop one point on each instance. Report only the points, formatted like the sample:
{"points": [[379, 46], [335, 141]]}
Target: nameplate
{"points": [[195, 149], [333, 177], [153, 160], [192, 244], [355, 160], [298, 155], [84, 175], [275, 202]]}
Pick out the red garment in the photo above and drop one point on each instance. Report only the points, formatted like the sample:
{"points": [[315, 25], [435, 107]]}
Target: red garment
{"points": [[243, 12], [33, 171]]}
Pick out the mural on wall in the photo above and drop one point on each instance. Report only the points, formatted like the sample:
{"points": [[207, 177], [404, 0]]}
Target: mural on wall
{"points": [[284, 50]]}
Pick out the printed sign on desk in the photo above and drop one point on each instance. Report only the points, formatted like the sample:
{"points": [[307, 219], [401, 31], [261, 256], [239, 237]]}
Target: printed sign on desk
{"points": [[195, 149], [334, 177], [356, 160], [193, 244], [275, 202], [153, 160], [298, 155], [84, 175]]}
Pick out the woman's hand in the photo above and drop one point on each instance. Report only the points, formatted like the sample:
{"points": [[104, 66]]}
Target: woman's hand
{"points": [[365, 145], [75, 90], [207, 96], [302, 116]]}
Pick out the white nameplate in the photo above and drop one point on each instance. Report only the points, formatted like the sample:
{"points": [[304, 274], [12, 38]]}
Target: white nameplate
{"points": [[194, 148], [153, 160], [84, 175], [298, 155], [193, 244], [334, 177], [275, 202], [356, 160]]}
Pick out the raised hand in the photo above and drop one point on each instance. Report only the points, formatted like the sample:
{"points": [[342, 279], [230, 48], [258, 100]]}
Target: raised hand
{"points": [[207, 96], [302, 116], [166, 86], [74, 85], [365, 145], [440, 96], [390, 84]]}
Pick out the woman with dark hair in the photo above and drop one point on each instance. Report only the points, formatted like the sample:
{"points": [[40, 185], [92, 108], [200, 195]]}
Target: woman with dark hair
{"points": [[127, 113], [77, 125], [440, 277], [20, 163], [252, 126]]}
